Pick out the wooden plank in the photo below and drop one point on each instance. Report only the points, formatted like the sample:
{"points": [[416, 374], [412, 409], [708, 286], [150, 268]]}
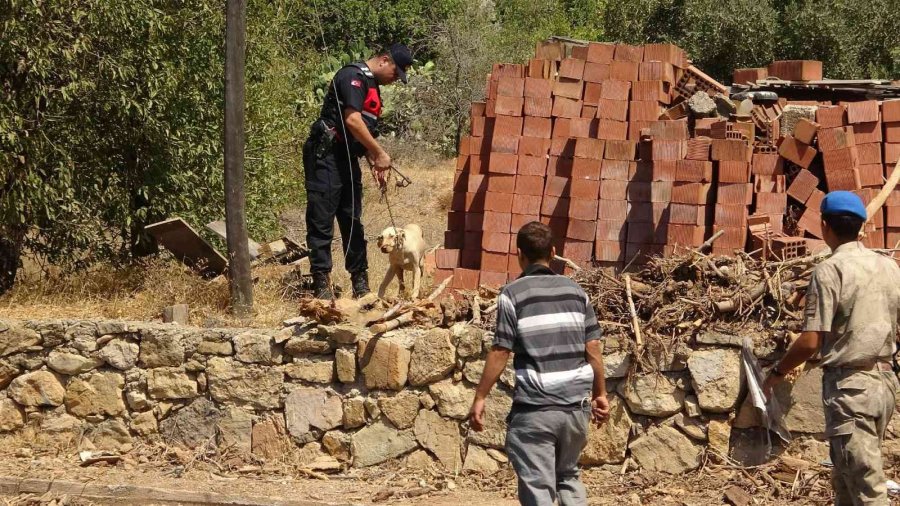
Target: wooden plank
{"points": [[188, 247], [220, 229]]}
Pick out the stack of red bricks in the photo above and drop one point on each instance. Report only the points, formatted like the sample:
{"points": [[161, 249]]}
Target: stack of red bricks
{"points": [[577, 142]]}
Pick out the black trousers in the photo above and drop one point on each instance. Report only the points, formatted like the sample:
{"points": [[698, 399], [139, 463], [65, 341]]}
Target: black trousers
{"points": [[333, 190]]}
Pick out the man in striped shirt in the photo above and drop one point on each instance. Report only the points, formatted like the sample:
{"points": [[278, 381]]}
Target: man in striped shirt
{"points": [[548, 322]]}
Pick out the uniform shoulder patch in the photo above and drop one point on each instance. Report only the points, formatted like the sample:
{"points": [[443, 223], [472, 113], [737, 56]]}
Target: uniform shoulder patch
{"points": [[356, 83]]}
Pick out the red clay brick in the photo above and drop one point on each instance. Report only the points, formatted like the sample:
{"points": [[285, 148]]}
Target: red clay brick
{"points": [[734, 172], [640, 212], [840, 159], [893, 219], [496, 222], [796, 70], [694, 171], [805, 131], [613, 190], [559, 166], [465, 279], [555, 206], [891, 153], [831, 139], [698, 148], [613, 210], [556, 186], [511, 86], [624, 70], [582, 230], [537, 127], [667, 150], [691, 193], [815, 200], [453, 239], [871, 175], [441, 274], [507, 69], [612, 109], [585, 168], [600, 52], [583, 128], [496, 202], [533, 146], [585, 189], [811, 222], [520, 220], [476, 183], [447, 258], [890, 110], [733, 237], [685, 235], [687, 214], [608, 251], [797, 152], [508, 125], [529, 185], [867, 133], [479, 126], [615, 90], [669, 130], [596, 72], [580, 52], [493, 279], [651, 91], [615, 169], [640, 233], [657, 71], [869, 153], [538, 107], [495, 242], [766, 164], [626, 52], [501, 183], [803, 186], [592, 94], [663, 170], [843, 180], [532, 165], [862, 112], [730, 215], [620, 150], [564, 107], [579, 251], [482, 145], [892, 132], [731, 150], [771, 203], [478, 109], [773, 184], [526, 205], [589, 148], [669, 53], [750, 75], [661, 191], [831, 117], [495, 262], [513, 267], [505, 144], [571, 68], [502, 163], [538, 88], [892, 237], [644, 111], [638, 191], [568, 88], [470, 256], [612, 130], [611, 230], [735, 193], [589, 111], [509, 106], [473, 222]]}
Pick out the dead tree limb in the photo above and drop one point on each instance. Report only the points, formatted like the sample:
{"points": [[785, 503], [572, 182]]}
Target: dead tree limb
{"points": [[635, 323], [885, 192], [709, 242], [381, 328], [568, 262]]}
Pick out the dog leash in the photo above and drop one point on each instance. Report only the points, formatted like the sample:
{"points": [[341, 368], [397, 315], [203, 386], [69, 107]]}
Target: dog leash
{"points": [[401, 181]]}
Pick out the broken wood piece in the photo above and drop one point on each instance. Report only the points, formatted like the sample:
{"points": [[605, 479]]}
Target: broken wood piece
{"points": [[709, 242], [188, 247], [177, 313], [476, 310], [635, 323], [381, 328], [882, 196], [437, 291], [219, 228], [572, 265]]}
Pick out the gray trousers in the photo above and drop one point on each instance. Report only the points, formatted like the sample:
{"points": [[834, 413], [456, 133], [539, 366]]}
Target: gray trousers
{"points": [[543, 447]]}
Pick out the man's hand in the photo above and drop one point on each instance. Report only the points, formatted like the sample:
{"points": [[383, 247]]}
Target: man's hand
{"points": [[381, 163], [476, 415], [769, 384], [599, 409]]}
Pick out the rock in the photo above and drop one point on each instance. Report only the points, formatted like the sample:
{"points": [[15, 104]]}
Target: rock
{"points": [[100, 394], [691, 406], [337, 444], [16, 339], [608, 443], [39, 388], [468, 339], [724, 106], [177, 313], [666, 357], [269, 439], [372, 408], [441, 437], [616, 364], [60, 422], [750, 447], [161, 348], [8, 372], [498, 455], [314, 370], [28, 361], [805, 412], [170, 383], [666, 450], [716, 377], [110, 435], [244, 385], [303, 345], [497, 406], [53, 333], [235, 430], [252, 348], [384, 363], [400, 409], [719, 434], [354, 413], [433, 357], [70, 363], [137, 400], [478, 461], [702, 105], [473, 371], [345, 364], [215, 348], [453, 399], [419, 459], [693, 427], [12, 417], [714, 337], [426, 400], [193, 425], [651, 395], [736, 496], [306, 408], [121, 354], [113, 327], [340, 334], [380, 442], [144, 424]]}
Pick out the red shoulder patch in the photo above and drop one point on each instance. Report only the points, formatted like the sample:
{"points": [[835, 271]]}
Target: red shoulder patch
{"points": [[356, 83]]}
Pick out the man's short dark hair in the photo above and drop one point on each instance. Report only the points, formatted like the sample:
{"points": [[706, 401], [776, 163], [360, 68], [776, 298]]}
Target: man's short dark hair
{"points": [[845, 226], [535, 240]]}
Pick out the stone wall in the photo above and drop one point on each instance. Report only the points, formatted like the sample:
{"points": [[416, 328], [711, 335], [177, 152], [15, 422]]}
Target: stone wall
{"points": [[347, 398]]}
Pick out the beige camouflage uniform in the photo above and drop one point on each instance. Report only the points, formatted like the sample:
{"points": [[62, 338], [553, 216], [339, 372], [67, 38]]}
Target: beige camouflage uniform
{"points": [[854, 298]]}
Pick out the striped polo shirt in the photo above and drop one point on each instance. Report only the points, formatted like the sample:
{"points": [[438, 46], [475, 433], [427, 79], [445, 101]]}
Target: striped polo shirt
{"points": [[546, 319]]}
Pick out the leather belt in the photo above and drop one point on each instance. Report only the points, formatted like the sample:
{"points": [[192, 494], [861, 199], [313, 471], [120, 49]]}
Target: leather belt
{"points": [[877, 366]]}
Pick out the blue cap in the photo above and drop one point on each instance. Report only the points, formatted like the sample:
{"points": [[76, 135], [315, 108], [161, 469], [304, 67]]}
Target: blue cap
{"points": [[843, 202]]}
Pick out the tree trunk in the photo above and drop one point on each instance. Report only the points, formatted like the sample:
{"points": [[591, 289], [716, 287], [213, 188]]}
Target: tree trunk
{"points": [[10, 257]]}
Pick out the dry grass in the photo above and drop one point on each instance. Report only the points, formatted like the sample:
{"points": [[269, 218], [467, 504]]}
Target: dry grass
{"points": [[140, 292]]}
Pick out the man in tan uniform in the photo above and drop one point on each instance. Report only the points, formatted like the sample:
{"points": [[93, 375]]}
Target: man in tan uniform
{"points": [[851, 316]]}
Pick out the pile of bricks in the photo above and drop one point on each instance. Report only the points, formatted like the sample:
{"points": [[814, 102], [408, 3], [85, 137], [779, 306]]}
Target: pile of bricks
{"points": [[598, 144]]}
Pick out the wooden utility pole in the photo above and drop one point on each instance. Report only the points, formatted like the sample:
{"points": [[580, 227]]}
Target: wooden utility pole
{"points": [[235, 222]]}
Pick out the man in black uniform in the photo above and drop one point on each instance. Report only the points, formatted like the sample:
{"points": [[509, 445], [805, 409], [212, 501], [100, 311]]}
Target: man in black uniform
{"points": [[346, 130]]}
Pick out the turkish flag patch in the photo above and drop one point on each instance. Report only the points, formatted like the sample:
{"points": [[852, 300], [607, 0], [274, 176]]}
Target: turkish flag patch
{"points": [[356, 83]]}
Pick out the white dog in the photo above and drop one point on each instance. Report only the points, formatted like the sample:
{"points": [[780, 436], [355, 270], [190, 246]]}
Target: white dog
{"points": [[405, 248]]}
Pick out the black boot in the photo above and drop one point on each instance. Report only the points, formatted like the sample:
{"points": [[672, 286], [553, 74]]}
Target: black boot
{"points": [[322, 286], [360, 282]]}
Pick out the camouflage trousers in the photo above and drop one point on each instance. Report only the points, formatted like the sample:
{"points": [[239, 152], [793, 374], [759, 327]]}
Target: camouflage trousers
{"points": [[858, 408]]}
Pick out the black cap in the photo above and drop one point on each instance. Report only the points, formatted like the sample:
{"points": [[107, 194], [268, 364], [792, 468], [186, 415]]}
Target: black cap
{"points": [[402, 57]]}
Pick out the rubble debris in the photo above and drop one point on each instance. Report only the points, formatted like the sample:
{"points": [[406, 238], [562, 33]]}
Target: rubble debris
{"points": [[187, 246]]}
